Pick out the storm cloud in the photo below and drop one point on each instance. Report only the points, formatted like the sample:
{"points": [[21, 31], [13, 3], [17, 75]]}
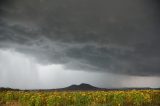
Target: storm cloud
{"points": [[115, 36]]}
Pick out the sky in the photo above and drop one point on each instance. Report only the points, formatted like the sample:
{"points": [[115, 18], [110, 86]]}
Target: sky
{"points": [[48, 44]]}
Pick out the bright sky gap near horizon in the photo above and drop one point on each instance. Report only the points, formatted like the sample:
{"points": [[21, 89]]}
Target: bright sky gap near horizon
{"points": [[56, 43]]}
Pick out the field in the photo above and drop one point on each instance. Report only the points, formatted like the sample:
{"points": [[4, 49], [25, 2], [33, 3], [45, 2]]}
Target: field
{"points": [[81, 98]]}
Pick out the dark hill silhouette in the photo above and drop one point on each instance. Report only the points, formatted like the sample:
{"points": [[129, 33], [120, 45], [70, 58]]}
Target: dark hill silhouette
{"points": [[82, 86], [8, 89]]}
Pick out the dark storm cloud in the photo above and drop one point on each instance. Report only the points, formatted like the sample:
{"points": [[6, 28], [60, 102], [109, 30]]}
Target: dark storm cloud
{"points": [[108, 35]]}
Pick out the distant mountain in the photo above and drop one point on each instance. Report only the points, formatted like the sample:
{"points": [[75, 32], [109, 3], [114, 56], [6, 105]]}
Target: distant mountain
{"points": [[8, 89], [82, 86]]}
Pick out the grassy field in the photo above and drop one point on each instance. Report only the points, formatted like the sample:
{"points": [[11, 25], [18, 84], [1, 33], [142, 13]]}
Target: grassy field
{"points": [[81, 98]]}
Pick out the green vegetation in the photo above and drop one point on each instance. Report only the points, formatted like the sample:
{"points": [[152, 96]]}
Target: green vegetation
{"points": [[81, 98]]}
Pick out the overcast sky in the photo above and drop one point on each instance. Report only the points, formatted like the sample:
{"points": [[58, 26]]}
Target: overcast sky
{"points": [[56, 43]]}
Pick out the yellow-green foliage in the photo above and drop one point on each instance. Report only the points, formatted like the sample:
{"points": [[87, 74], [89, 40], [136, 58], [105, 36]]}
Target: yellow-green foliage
{"points": [[86, 98]]}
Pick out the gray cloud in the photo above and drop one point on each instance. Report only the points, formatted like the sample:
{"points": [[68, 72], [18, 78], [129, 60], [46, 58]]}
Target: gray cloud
{"points": [[105, 36]]}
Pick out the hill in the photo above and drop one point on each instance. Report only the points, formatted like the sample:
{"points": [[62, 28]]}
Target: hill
{"points": [[82, 86]]}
